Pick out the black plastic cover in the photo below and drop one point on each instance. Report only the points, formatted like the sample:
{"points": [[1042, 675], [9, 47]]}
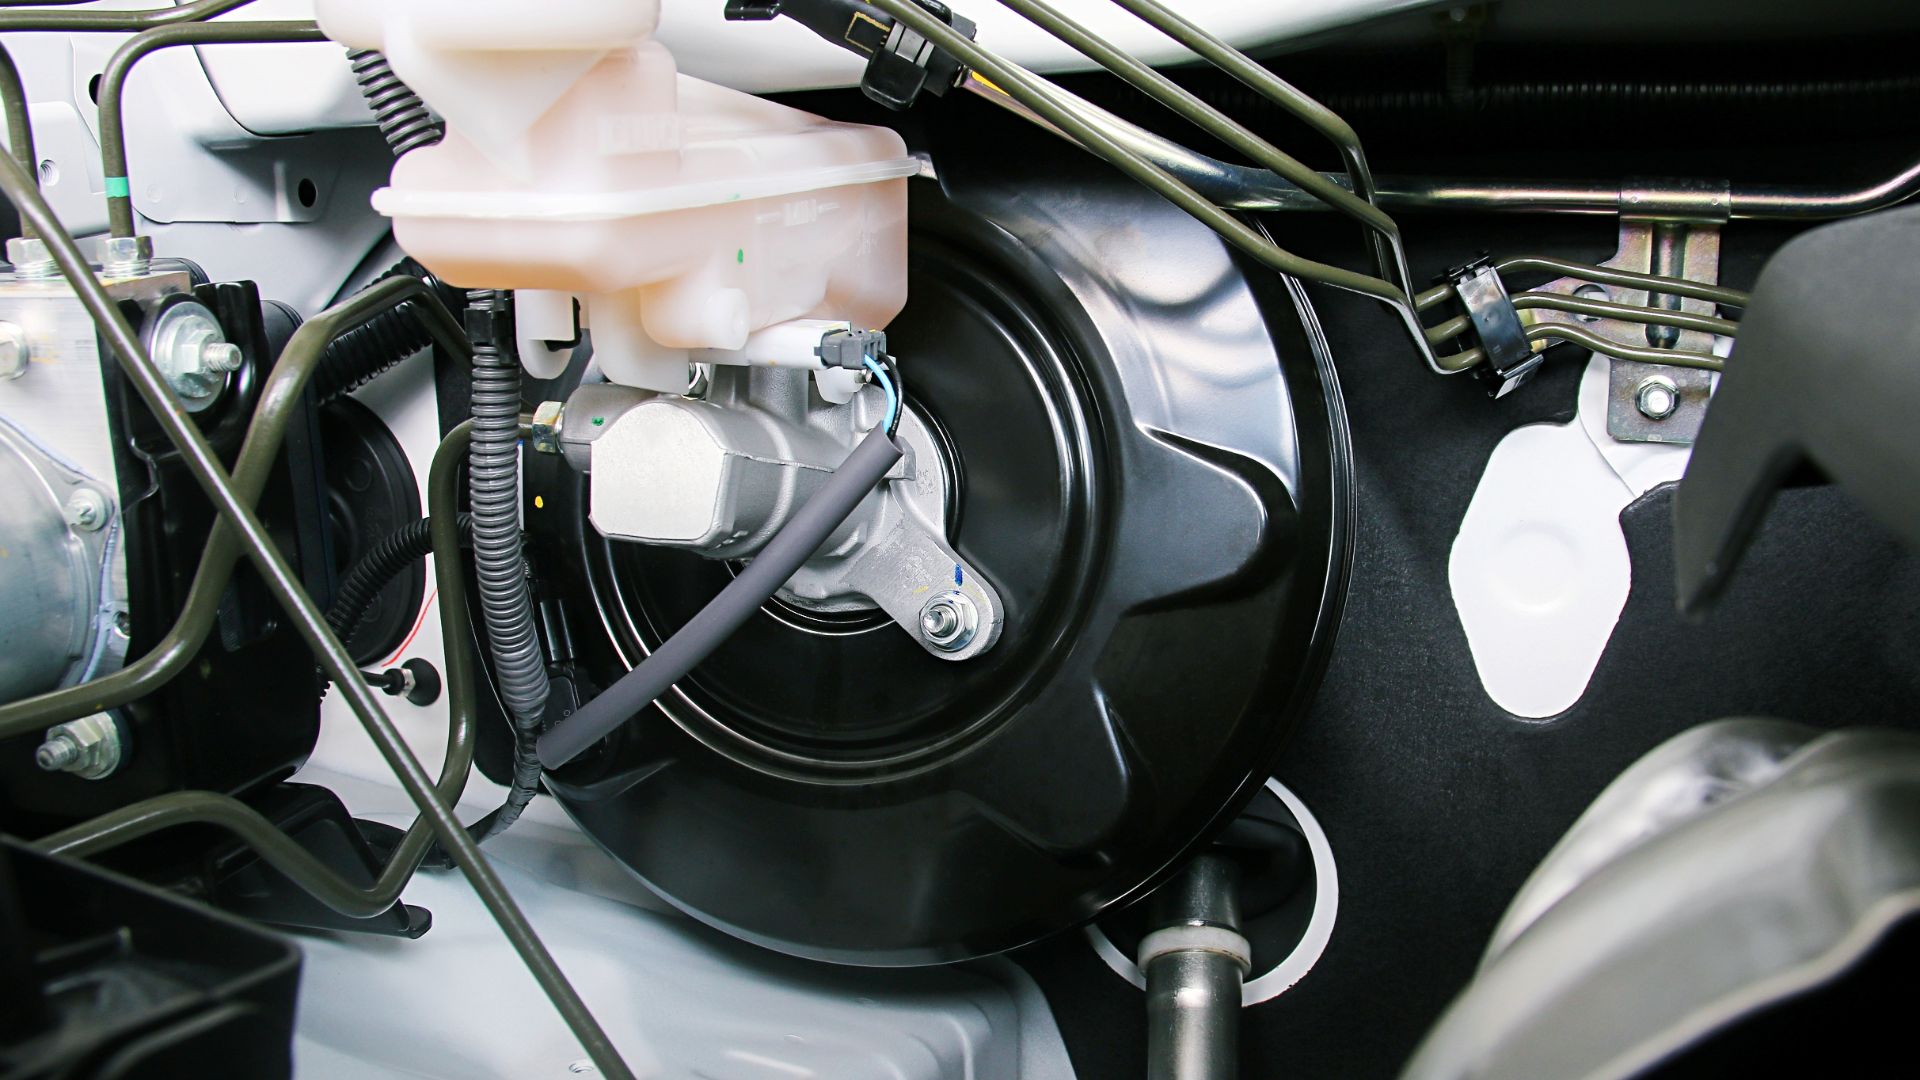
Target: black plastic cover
{"points": [[1824, 374], [103, 977]]}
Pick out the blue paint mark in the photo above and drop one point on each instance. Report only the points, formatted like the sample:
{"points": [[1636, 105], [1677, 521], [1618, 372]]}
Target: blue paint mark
{"points": [[959, 576]]}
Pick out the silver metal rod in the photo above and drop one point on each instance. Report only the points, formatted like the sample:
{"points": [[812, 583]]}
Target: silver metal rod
{"points": [[1193, 993], [1804, 203], [1243, 187], [1193, 1016]]}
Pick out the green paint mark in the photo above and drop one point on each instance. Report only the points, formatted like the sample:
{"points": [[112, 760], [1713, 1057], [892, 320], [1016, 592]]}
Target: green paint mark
{"points": [[118, 188], [740, 255], [598, 420]]}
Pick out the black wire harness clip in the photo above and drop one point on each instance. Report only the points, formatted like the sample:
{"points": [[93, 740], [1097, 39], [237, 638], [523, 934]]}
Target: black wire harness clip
{"points": [[901, 63]]}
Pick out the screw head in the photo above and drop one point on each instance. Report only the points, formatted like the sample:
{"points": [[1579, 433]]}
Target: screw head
{"points": [[1657, 397], [14, 351], [948, 622], [87, 510]]}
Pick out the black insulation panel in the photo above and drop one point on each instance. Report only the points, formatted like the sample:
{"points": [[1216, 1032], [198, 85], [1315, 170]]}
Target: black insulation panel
{"points": [[1437, 802]]}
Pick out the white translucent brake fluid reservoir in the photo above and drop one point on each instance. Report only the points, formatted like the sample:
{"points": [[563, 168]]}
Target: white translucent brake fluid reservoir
{"points": [[578, 163]]}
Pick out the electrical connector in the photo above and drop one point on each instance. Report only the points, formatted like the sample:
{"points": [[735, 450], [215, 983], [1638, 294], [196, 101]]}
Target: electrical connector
{"points": [[850, 348]]}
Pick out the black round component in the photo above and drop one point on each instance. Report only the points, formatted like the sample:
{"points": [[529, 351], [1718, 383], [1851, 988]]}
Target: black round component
{"points": [[371, 491], [1150, 468]]}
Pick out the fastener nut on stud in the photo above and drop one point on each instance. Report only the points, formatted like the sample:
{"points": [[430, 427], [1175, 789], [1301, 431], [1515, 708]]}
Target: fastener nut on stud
{"points": [[1657, 397], [948, 622], [88, 747]]}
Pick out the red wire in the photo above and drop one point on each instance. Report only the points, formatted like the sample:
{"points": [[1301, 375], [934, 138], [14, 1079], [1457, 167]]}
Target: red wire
{"points": [[425, 607]]}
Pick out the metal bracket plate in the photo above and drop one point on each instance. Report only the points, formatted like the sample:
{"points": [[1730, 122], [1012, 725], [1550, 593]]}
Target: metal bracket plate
{"points": [[1674, 238]]}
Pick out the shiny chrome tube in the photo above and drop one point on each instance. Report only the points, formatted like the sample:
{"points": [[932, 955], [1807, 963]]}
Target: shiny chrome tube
{"points": [[1242, 187]]}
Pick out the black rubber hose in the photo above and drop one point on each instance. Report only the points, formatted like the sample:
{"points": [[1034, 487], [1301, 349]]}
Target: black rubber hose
{"points": [[355, 357], [376, 570], [785, 553], [402, 116]]}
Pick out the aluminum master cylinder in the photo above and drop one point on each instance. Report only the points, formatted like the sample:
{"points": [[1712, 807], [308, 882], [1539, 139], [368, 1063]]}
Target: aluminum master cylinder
{"points": [[722, 473]]}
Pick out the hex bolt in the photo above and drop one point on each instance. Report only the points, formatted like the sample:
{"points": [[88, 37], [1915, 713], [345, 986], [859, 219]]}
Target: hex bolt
{"points": [[14, 351], [949, 621], [87, 510], [1657, 397]]}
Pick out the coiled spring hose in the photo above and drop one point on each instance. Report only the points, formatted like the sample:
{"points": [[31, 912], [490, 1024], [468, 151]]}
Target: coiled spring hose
{"points": [[402, 116]]}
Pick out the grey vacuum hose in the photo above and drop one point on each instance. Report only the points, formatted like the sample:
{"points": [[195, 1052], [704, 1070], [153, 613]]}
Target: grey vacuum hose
{"points": [[493, 491], [493, 475], [785, 553]]}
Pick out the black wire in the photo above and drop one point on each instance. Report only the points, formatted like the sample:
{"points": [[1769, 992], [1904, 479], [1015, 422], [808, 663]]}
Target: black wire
{"points": [[899, 392]]}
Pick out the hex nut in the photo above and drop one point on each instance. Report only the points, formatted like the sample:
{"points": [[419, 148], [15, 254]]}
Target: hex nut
{"points": [[193, 353], [948, 622], [88, 747], [1657, 397], [125, 255], [31, 258], [547, 418]]}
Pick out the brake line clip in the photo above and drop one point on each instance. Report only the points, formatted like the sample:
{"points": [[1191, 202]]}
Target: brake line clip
{"points": [[1510, 356]]}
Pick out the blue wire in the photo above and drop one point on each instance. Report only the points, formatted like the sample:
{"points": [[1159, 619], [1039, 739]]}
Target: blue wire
{"points": [[893, 397]]}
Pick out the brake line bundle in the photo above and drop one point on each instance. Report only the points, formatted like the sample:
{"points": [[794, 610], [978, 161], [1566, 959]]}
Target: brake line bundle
{"points": [[1146, 158]]}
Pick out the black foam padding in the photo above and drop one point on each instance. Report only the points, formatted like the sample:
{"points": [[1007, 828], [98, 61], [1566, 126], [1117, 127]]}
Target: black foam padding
{"points": [[1438, 803]]}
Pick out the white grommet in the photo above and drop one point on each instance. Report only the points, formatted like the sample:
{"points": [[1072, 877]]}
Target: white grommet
{"points": [[1191, 938], [1307, 952]]}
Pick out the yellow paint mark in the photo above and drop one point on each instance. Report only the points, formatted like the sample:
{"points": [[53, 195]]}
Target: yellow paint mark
{"points": [[860, 17], [921, 589], [538, 502]]}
